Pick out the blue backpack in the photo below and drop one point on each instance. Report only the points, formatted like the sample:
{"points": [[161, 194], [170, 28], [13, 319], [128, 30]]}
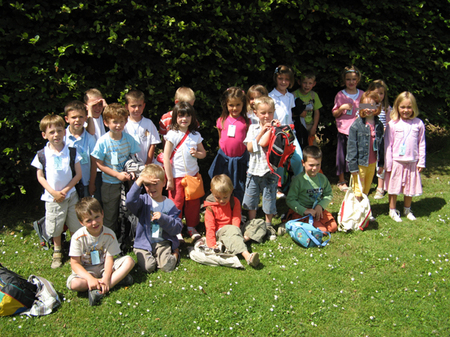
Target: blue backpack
{"points": [[305, 233]]}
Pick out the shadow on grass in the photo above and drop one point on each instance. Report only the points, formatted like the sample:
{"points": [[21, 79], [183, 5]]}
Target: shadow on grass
{"points": [[421, 208]]}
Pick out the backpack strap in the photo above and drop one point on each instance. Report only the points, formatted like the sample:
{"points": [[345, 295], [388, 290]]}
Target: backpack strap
{"points": [[179, 144], [41, 157], [72, 154], [312, 237]]}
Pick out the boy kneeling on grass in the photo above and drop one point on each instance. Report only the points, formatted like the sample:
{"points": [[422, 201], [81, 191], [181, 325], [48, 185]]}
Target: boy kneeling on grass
{"points": [[156, 243], [223, 219], [92, 251], [310, 193]]}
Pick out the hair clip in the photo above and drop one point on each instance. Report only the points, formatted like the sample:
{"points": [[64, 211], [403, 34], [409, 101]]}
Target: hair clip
{"points": [[277, 70], [352, 71]]}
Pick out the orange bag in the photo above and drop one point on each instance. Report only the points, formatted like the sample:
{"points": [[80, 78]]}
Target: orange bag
{"points": [[193, 187]]}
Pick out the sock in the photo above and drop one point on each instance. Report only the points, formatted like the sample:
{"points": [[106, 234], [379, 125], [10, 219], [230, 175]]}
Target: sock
{"points": [[407, 210], [57, 249]]}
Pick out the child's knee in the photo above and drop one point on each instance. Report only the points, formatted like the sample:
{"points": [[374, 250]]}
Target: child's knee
{"points": [[170, 264]]}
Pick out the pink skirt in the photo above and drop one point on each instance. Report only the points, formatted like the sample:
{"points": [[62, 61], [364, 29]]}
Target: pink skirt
{"points": [[403, 179]]}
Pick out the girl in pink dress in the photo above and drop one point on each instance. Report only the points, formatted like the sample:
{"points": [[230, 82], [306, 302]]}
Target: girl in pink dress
{"points": [[232, 158], [405, 154]]}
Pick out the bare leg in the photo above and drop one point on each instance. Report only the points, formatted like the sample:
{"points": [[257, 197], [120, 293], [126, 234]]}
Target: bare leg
{"points": [[407, 202], [393, 201], [380, 184], [57, 241], [251, 214], [119, 274], [269, 218]]}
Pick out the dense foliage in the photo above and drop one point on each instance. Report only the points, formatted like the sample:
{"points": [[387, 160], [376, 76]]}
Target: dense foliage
{"points": [[51, 52]]}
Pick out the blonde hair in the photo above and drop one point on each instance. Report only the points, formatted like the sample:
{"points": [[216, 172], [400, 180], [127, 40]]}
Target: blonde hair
{"points": [[377, 84], [93, 92], [221, 184], [87, 206], [184, 94], [48, 120], [400, 98], [280, 70], [135, 95], [370, 95], [153, 170], [265, 100], [115, 110]]}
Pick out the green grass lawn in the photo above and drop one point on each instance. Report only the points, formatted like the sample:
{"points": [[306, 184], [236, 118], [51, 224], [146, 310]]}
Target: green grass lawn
{"points": [[390, 280]]}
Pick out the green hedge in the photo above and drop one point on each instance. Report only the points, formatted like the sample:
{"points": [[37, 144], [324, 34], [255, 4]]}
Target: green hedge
{"points": [[51, 54]]}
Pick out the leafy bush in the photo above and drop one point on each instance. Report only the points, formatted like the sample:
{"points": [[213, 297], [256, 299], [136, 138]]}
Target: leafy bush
{"points": [[51, 53]]}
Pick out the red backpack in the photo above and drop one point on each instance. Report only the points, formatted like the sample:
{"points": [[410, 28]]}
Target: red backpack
{"points": [[281, 146]]}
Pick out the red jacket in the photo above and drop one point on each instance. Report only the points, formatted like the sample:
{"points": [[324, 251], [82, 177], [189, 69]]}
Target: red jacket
{"points": [[217, 216]]}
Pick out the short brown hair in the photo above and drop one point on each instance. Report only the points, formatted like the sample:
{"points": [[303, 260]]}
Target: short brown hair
{"points": [[48, 120], [75, 106], [312, 151], [115, 110], [136, 95], [87, 206], [221, 184], [93, 92]]}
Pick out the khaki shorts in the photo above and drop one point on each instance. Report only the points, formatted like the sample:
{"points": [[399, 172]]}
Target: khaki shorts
{"points": [[59, 213], [97, 270]]}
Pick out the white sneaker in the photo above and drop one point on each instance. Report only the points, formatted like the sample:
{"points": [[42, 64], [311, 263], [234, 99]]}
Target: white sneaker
{"points": [[395, 215], [409, 214], [372, 219]]}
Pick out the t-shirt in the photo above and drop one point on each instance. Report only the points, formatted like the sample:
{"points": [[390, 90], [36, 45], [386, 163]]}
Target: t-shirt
{"points": [[309, 104], [346, 119], [84, 144], [232, 146], [99, 127], [82, 244], [145, 133], [257, 164], [183, 162], [114, 153], [57, 170], [283, 106], [164, 123]]}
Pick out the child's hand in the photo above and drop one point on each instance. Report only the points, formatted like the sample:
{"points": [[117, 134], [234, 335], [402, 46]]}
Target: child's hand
{"points": [[346, 106], [156, 216], [123, 176], [193, 151], [319, 212], [93, 283], [169, 185], [147, 180], [304, 113], [105, 284], [310, 211], [420, 169], [381, 169], [92, 187], [59, 196]]}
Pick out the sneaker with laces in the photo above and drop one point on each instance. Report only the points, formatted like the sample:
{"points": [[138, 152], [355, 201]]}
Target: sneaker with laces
{"points": [[280, 195], [94, 297], [372, 219], [281, 229], [395, 215], [253, 260], [380, 194], [409, 214], [193, 233], [56, 260], [271, 232]]}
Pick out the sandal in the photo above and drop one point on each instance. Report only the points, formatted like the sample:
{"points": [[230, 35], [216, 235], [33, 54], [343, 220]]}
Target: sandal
{"points": [[342, 185]]}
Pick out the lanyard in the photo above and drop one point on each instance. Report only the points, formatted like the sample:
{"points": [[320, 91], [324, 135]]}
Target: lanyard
{"points": [[316, 195], [405, 137]]}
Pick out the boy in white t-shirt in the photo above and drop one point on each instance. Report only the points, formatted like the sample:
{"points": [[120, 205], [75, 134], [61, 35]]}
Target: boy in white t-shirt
{"points": [[55, 175], [92, 251], [142, 129]]}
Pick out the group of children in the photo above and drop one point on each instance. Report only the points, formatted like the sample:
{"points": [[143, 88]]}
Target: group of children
{"points": [[105, 136]]}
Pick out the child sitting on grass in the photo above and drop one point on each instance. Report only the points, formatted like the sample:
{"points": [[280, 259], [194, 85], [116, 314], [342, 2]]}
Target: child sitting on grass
{"points": [[92, 251], [223, 219], [310, 193], [156, 243]]}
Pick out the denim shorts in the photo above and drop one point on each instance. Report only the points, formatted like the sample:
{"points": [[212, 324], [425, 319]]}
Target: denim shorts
{"points": [[254, 186]]}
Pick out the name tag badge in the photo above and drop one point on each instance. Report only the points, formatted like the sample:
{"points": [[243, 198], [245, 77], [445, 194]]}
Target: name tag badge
{"points": [[58, 163], [155, 231], [231, 131], [114, 158], [84, 158], [349, 112], [402, 150], [95, 257]]}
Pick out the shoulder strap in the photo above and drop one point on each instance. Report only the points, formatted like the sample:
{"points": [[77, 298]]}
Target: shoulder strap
{"points": [[73, 154], [312, 237], [41, 157], [179, 144]]}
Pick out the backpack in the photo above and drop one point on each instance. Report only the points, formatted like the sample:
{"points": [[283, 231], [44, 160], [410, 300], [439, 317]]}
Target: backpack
{"points": [[72, 154], [16, 293], [306, 234], [281, 147]]}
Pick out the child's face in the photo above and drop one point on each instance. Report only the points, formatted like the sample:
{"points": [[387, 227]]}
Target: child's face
{"points": [[55, 135], [154, 186], [368, 112], [283, 82], [135, 108], [116, 125], [221, 198], [254, 96], [307, 84], [351, 80], [405, 109], [98, 107], [76, 120], [380, 92], [265, 113], [184, 121], [234, 107], [312, 166], [93, 223]]}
